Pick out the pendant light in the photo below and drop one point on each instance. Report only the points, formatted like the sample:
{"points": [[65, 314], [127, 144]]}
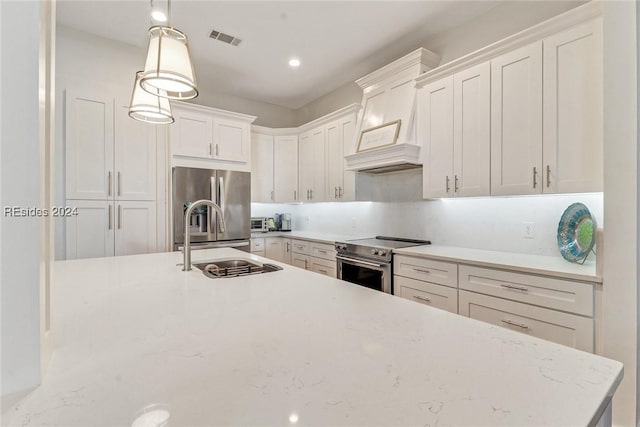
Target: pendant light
{"points": [[168, 68], [147, 107]]}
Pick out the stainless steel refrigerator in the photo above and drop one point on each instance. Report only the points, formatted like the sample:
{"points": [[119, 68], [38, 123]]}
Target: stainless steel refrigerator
{"points": [[230, 190]]}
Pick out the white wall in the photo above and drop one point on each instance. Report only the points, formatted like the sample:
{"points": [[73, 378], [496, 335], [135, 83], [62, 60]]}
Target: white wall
{"points": [[482, 223], [620, 290], [19, 186]]}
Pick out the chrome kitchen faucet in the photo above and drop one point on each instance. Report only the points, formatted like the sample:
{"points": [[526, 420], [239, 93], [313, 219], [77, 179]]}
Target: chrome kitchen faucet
{"points": [[186, 266]]}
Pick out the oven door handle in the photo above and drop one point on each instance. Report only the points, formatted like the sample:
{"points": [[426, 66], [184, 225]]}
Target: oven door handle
{"points": [[359, 262]]}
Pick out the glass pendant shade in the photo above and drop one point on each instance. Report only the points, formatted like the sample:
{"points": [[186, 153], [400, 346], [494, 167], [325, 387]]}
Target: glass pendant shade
{"points": [[147, 107], [168, 67]]}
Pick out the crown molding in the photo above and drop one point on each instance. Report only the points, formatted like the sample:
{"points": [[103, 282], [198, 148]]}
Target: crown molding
{"points": [[274, 131], [420, 56], [210, 110], [576, 16], [349, 109]]}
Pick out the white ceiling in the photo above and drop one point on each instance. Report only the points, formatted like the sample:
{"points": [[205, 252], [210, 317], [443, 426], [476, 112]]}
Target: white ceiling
{"points": [[337, 42]]}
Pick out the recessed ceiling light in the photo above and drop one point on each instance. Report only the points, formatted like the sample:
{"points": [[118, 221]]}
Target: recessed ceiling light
{"points": [[158, 16], [294, 62]]}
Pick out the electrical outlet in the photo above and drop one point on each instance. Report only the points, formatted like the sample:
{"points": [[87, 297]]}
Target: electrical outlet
{"points": [[528, 230]]}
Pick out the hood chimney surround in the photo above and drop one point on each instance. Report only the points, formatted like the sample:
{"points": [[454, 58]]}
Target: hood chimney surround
{"points": [[389, 95]]}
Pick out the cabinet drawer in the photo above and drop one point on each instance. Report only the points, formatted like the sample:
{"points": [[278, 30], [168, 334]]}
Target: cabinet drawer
{"points": [[300, 247], [299, 260], [558, 294], [257, 245], [562, 328], [323, 266], [322, 250], [443, 273], [438, 296]]}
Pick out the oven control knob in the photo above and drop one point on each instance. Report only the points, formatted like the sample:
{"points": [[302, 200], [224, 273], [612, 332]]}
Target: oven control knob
{"points": [[382, 253], [374, 252]]}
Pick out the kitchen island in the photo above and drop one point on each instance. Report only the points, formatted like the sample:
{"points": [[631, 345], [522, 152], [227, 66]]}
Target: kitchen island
{"points": [[290, 348]]}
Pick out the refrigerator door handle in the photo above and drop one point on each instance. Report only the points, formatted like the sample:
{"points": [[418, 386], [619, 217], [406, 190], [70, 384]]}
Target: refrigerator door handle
{"points": [[221, 194], [211, 214]]}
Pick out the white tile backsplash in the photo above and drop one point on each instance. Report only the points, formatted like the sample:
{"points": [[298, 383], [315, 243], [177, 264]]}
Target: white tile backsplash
{"points": [[493, 223]]}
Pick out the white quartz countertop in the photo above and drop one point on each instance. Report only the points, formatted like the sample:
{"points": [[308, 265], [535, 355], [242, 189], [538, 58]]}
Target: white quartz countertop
{"points": [[536, 264], [290, 348]]}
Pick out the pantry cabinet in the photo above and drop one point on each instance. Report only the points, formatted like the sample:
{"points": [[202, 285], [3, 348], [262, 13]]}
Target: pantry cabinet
{"points": [[112, 163], [210, 134]]}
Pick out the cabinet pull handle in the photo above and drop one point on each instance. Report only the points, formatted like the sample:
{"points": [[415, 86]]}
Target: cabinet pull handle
{"points": [[425, 299], [217, 150], [109, 183], [288, 246], [455, 183], [335, 192], [295, 195], [512, 323], [310, 194], [119, 217], [305, 264], [340, 192], [516, 288], [119, 184], [548, 176], [322, 251], [272, 196], [322, 271], [447, 184], [422, 271], [110, 217], [210, 149], [535, 177]]}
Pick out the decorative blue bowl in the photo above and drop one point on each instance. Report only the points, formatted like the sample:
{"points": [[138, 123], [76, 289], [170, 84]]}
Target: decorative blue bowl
{"points": [[576, 233]]}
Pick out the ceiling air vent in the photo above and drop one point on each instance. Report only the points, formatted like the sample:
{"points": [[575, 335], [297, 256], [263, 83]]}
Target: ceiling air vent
{"points": [[226, 38]]}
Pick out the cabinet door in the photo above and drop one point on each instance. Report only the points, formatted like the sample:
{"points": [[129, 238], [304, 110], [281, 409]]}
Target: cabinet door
{"points": [[231, 140], [322, 266], [90, 234], [471, 131], [516, 121], [285, 169], [300, 260], [135, 157], [192, 134], [262, 189], [89, 145], [335, 161], [274, 248], [135, 225], [286, 250], [442, 297], [436, 132], [572, 144], [562, 328], [312, 164]]}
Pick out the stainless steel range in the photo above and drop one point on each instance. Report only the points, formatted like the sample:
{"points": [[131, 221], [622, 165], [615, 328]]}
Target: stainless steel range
{"points": [[368, 262]]}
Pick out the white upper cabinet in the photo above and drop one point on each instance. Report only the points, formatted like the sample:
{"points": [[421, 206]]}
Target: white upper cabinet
{"points": [[262, 177], [516, 121], [89, 145], [285, 169], [311, 166], [135, 157], [339, 140], [435, 107], [572, 139], [210, 134], [472, 131]]}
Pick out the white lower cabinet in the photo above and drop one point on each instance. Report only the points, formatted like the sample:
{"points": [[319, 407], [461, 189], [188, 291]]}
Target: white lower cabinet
{"points": [[563, 328], [300, 260], [322, 266], [286, 250], [438, 296], [105, 228], [274, 248], [314, 256], [258, 246]]}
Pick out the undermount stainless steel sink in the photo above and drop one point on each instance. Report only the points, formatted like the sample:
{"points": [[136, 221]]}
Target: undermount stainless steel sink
{"points": [[234, 268]]}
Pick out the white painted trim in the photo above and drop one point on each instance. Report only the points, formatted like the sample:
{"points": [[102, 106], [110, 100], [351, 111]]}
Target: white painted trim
{"points": [[580, 14], [210, 110], [263, 130], [349, 109], [419, 56], [392, 155]]}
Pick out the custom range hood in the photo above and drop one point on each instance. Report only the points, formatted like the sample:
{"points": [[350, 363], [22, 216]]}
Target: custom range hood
{"points": [[386, 130]]}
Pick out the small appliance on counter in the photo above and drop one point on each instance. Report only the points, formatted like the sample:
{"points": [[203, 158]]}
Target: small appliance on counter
{"points": [[283, 221], [260, 224]]}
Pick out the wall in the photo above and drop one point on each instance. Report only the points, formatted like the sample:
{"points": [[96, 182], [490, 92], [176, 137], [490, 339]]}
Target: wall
{"points": [[19, 186], [620, 290], [498, 23], [483, 223]]}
